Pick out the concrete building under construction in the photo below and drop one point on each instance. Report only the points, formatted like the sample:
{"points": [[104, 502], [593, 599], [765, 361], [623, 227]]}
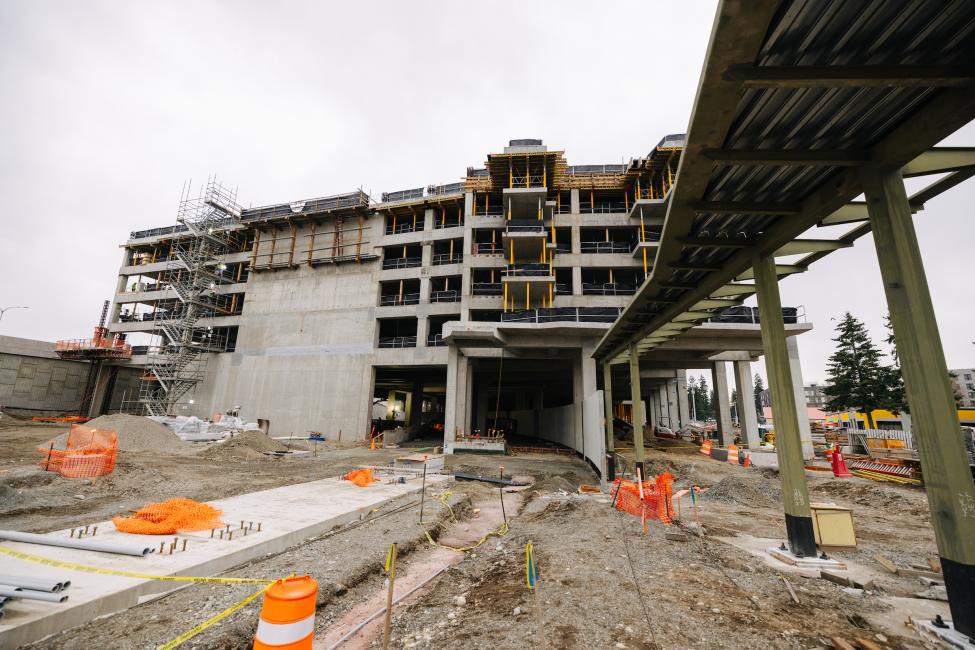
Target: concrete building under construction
{"points": [[474, 306]]}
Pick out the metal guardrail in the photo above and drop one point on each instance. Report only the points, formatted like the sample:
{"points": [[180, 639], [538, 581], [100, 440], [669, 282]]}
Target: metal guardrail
{"points": [[536, 269], [445, 296], [446, 258], [449, 188], [401, 262], [451, 222], [563, 314], [524, 227], [487, 289], [603, 207], [604, 247], [742, 314], [397, 341], [487, 249], [595, 169], [531, 180], [396, 299], [608, 289], [435, 340], [402, 228], [306, 206], [651, 238], [403, 195]]}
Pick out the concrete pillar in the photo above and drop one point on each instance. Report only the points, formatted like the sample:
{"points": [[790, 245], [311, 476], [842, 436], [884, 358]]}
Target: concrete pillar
{"points": [[578, 440], [415, 411], [391, 405], [422, 329], [795, 368], [589, 387], [788, 446], [719, 375], [610, 463], [576, 280], [747, 416], [456, 417], [672, 409], [683, 406], [947, 477], [574, 206], [428, 216], [639, 416]]}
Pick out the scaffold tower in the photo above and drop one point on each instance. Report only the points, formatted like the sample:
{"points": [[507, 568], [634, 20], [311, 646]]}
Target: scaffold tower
{"points": [[193, 278]]}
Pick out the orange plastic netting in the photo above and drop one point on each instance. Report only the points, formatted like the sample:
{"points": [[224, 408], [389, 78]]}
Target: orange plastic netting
{"points": [[88, 452], [657, 497], [168, 517], [361, 477]]}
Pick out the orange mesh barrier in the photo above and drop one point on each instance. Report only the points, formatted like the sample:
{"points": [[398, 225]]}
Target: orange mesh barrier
{"points": [[88, 453], [168, 517], [361, 477], [657, 498]]}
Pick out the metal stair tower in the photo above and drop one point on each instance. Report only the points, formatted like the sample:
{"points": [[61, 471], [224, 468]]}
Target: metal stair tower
{"points": [[177, 362]]}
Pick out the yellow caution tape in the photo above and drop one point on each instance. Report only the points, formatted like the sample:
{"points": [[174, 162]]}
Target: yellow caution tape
{"points": [[183, 638], [125, 574]]}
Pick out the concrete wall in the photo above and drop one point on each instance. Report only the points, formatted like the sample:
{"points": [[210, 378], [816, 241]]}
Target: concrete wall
{"points": [[33, 380], [594, 431], [557, 424]]}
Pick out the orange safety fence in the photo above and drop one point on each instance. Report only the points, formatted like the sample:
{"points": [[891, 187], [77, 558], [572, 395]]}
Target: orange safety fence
{"points": [[657, 498], [88, 452], [169, 517], [361, 477]]}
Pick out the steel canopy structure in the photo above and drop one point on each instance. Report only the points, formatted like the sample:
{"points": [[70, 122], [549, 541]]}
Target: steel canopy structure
{"points": [[780, 129], [803, 106]]}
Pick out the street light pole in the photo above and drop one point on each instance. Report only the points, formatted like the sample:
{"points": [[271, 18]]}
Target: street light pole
{"points": [[3, 310]]}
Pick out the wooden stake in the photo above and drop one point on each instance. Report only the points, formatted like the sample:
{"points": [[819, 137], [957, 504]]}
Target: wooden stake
{"points": [[501, 493], [423, 489]]}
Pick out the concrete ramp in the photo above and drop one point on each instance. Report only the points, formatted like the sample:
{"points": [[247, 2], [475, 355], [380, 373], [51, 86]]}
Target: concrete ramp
{"points": [[288, 515]]}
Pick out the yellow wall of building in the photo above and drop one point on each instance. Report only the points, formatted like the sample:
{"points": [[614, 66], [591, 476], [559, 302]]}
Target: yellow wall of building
{"points": [[965, 416]]}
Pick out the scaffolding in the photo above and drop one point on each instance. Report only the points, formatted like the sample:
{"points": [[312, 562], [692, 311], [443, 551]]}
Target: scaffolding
{"points": [[193, 277]]}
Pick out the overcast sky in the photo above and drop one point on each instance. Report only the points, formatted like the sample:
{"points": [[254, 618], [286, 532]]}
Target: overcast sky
{"points": [[110, 106]]}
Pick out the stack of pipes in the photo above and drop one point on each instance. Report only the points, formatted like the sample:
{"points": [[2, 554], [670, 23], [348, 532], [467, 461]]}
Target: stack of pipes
{"points": [[28, 588]]}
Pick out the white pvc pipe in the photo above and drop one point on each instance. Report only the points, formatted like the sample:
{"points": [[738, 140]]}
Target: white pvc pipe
{"points": [[29, 594], [37, 584], [80, 544]]}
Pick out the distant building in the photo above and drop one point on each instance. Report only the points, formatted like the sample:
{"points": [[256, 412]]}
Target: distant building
{"points": [[814, 395], [964, 380]]}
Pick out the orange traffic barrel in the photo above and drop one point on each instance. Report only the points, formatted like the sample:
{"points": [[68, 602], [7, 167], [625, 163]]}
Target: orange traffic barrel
{"points": [[288, 615], [706, 448], [733, 454]]}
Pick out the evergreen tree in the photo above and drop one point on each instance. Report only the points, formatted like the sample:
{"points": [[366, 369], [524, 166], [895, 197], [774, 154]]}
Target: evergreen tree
{"points": [[702, 399], [856, 377], [759, 389], [895, 381]]}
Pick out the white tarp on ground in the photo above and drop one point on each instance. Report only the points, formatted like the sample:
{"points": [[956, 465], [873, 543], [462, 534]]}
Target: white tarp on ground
{"points": [[193, 429]]}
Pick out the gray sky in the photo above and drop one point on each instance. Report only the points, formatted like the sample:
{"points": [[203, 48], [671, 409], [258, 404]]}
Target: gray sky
{"points": [[111, 106]]}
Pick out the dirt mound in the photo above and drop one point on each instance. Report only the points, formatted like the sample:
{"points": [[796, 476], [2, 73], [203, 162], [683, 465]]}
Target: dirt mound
{"points": [[746, 491], [249, 444], [135, 433]]}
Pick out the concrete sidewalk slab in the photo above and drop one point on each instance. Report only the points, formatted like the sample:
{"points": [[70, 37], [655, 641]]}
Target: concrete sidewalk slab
{"points": [[288, 515]]}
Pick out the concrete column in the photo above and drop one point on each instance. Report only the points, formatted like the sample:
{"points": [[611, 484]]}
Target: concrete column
{"points": [[428, 216], [576, 280], [414, 411], [610, 462], [947, 477], [426, 259], [795, 368], [788, 446], [422, 329], [578, 439], [672, 404], [747, 416], [574, 206], [457, 396], [391, 403], [719, 375], [588, 388], [638, 412], [683, 407]]}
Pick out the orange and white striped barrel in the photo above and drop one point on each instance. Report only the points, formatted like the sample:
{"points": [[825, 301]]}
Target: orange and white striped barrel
{"points": [[733, 454], [288, 615], [706, 448]]}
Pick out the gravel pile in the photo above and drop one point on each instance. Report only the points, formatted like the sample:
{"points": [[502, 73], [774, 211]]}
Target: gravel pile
{"points": [[135, 433], [746, 491], [249, 444]]}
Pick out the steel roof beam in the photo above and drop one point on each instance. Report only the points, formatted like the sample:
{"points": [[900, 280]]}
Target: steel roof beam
{"points": [[801, 246], [715, 242], [940, 160], [781, 270], [850, 76], [735, 207], [788, 157], [733, 290]]}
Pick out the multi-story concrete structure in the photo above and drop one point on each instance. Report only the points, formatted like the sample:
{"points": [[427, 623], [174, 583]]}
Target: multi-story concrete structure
{"points": [[476, 305], [964, 381]]}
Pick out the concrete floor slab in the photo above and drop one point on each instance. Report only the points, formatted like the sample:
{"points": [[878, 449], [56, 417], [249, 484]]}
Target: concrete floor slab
{"points": [[288, 515]]}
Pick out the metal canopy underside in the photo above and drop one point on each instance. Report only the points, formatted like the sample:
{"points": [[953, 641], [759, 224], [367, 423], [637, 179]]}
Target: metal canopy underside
{"points": [[795, 97]]}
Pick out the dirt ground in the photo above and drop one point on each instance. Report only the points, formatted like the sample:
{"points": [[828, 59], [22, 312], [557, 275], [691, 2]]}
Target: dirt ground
{"points": [[604, 584]]}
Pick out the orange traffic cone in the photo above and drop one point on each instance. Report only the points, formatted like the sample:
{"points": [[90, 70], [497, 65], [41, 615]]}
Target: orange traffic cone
{"points": [[733, 454], [288, 615], [748, 460], [839, 465]]}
